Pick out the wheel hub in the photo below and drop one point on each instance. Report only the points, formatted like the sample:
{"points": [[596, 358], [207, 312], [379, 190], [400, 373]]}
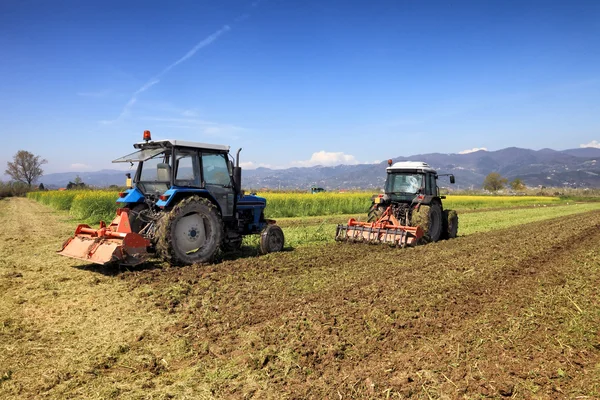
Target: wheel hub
{"points": [[190, 232]]}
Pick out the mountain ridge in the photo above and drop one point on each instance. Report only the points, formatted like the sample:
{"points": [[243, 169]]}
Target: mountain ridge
{"points": [[545, 167]]}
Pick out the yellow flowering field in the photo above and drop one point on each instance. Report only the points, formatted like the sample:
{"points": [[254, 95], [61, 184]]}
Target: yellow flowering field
{"points": [[93, 205]]}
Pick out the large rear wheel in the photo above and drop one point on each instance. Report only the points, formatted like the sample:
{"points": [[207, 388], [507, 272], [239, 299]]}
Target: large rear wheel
{"points": [[191, 233], [429, 218]]}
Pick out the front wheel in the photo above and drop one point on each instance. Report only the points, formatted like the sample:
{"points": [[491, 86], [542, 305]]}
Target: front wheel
{"points": [[191, 233], [375, 212], [451, 224], [271, 239]]}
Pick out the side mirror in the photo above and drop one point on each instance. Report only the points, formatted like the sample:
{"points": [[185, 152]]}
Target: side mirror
{"points": [[452, 179], [237, 179]]}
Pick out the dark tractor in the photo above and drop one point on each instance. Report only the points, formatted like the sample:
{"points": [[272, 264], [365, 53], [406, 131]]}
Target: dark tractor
{"points": [[408, 213]]}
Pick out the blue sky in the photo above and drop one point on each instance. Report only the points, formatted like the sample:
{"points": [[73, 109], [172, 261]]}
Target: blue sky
{"points": [[296, 83]]}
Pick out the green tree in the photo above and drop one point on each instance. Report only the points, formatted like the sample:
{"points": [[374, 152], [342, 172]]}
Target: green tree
{"points": [[25, 167], [78, 184], [517, 184], [494, 182]]}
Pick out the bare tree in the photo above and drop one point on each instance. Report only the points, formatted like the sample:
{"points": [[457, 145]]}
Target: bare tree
{"points": [[25, 167]]}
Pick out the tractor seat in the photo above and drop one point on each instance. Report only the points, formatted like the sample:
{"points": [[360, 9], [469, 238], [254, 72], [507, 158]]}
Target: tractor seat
{"points": [[163, 172]]}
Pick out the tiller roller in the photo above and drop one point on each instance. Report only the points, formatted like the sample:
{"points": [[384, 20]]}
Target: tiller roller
{"points": [[114, 243], [387, 229]]}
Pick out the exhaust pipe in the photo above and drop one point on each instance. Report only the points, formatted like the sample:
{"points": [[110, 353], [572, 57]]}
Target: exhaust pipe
{"points": [[237, 173]]}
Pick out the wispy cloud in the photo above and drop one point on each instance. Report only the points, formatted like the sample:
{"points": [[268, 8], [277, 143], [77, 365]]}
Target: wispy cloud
{"points": [[197, 47], [209, 128], [189, 113], [594, 143], [134, 97], [98, 94], [473, 150], [80, 166]]}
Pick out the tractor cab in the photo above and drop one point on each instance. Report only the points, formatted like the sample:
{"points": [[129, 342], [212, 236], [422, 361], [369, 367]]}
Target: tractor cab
{"points": [[408, 179], [169, 169]]}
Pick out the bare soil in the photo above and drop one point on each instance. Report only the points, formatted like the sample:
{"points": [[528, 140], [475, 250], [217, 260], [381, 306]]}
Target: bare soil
{"points": [[512, 313]]}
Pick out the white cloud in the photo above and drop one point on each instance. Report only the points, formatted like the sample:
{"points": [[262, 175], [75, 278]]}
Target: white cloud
{"points": [[189, 113], [594, 143], [80, 166], [326, 158], [473, 150]]}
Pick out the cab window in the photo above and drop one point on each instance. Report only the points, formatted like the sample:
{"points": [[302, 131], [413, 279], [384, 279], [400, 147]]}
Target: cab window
{"points": [[186, 172], [215, 169], [404, 183]]}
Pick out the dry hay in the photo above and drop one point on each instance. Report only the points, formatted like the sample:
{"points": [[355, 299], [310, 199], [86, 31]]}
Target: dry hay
{"points": [[452, 214], [420, 217]]}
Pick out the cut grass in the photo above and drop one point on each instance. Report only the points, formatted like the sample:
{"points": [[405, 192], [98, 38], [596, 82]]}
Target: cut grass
{"points": [[481, 316], [60, 324], [301, 231]]}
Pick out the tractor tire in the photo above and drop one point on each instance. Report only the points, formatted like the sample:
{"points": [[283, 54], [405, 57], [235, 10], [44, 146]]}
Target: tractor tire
{"points": [[429, 218], [375, 212], [190, 233], [451, 224], [271, 239]]}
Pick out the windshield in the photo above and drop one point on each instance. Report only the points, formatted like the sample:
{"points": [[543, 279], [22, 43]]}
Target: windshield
{"points": [[403, 183], [155, 174], [141, 155]]}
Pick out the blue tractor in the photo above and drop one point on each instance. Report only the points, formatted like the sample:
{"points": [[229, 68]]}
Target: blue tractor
{"points": [[184, 202]]}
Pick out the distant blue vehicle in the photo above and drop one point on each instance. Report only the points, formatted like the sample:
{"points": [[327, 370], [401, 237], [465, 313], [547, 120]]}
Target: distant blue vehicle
{"points": [[185, 202]]}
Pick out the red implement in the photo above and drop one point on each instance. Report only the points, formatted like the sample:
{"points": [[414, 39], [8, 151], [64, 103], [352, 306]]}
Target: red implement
{"points": [[386, 229], [115, 243]]}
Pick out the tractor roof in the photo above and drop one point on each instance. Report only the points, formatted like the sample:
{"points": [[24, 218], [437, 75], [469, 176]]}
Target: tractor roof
{"points": [[180, 143], [418, 166], [152, 148]]}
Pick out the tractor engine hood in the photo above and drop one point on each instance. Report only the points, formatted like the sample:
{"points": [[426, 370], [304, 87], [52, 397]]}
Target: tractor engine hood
{"points": [[252, 200]]}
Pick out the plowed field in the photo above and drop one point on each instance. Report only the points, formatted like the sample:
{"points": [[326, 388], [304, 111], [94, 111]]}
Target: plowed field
{"points": [[508, 313]]}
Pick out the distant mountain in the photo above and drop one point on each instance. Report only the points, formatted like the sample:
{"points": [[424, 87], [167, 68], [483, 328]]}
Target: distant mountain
{"points": [[102, 178], [545, 167]]}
